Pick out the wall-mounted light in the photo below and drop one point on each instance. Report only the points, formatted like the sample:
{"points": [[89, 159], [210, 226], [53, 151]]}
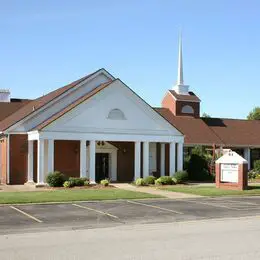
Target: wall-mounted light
{"points": [[100, 143]]}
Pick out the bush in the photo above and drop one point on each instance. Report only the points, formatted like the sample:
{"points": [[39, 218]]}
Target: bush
{"points": [[104, 182], [139, 182], [67, 184], [86, 182], [180, 177], [56, 179], [149, 180], [77, 181], [257, 165], [253, 174], [165, 180], [158, 182]]}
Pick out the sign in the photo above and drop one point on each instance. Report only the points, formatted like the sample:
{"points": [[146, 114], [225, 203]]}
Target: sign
{"points": [[229, 173]]}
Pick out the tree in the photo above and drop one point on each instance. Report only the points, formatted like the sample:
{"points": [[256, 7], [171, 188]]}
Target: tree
{"points": [[254, 114], [206, 115]]}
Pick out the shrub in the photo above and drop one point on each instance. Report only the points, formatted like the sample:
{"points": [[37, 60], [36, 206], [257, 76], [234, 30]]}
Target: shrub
{"points": [[77, 181], [56, 179], [165, 180], [139, 182], [253, 174], [86, 182], [67, 184], [174, 180], [149, 180], [180, 177], [158, 182], [257, 165], [104, 182]]}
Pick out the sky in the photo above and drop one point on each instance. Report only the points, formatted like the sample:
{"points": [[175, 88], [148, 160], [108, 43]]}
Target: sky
{"points": [[47, 44]]}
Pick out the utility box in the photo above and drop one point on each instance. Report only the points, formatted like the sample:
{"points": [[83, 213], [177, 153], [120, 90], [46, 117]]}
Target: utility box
{"points": [[231, 172]]}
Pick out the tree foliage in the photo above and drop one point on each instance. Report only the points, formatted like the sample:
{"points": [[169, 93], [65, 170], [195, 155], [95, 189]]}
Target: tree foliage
{"points": [[254, 114], [206, 115]]}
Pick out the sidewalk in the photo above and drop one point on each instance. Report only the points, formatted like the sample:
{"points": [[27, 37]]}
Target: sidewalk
{"points": [[155, 191]]}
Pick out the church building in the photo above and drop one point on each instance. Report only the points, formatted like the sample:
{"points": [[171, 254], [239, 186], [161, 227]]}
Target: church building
{"points": [[97, 127]]}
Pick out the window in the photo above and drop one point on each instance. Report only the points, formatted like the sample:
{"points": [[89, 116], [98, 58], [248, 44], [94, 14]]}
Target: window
{"points": [[116, 114], [187, 110]]}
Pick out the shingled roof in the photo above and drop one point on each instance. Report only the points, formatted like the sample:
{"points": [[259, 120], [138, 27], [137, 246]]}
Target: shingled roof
{"points": [[36, 104], [191, 97], [218, 131]]}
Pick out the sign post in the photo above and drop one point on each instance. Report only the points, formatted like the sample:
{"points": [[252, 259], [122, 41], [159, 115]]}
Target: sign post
{"points": [[232, 172]]}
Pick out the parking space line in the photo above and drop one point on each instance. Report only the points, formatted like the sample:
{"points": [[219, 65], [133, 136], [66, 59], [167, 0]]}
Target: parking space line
{"points": [[155, 207], [212, 204], [26, 214], [95, 210], [235, 201]]}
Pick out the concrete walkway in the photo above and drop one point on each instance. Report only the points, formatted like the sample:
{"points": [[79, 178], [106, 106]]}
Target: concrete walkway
{"points": [[155, 191]]}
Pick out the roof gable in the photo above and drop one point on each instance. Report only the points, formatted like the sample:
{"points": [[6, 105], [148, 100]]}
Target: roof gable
{"points": [[91, 114], [35, 106]]}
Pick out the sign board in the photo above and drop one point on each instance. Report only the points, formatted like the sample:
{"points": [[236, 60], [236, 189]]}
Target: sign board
{"points": [[229, 173]]}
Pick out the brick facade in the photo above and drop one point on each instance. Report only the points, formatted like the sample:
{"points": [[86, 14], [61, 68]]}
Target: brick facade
{"points": [[3, 165], [175, 106]]}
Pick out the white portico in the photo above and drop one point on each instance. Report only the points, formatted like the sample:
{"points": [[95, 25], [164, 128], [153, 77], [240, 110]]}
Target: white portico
{"points": [[114, 114]]}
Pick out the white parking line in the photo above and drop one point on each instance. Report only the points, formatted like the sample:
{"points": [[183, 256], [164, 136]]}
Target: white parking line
{"points": [[155, 207], [211, 204], [95, 210], [26, 214], [236, 201]]}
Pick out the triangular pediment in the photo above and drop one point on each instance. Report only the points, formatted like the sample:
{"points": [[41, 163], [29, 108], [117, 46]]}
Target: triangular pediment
{"points": [[114, 109]]}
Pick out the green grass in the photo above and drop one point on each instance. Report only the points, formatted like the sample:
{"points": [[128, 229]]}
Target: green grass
{"points": [[70, 195], [212, 191]]}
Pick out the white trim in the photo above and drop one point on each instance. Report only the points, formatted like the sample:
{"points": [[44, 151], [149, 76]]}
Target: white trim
{"points": [[105, 137], [145, 159], [60, 97], [162, 163], [137, 162], [172, 155], [112, 152]]}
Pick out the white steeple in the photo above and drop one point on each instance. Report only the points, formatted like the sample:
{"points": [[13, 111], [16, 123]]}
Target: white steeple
{"points": [[180, 88]]}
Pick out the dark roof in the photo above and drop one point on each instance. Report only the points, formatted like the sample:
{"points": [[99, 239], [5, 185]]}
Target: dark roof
{"points": [[8, 108], [235, 132], [190, 97], [194, 129], [36, 104], [218, 131]]}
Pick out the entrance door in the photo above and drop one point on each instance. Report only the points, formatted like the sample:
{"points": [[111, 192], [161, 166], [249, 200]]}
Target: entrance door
{"points": [[102, 166]]}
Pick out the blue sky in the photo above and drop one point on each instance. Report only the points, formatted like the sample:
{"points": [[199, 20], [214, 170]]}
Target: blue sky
{"points": [[47, 44]]}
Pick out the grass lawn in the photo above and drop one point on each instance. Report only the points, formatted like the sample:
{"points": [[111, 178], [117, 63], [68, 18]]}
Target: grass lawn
{"points": [[212, 190], [70, 195]]}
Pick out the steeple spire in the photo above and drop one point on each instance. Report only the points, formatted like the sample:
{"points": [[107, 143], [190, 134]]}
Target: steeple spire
{"points": [[180, 65], [180, 88]]}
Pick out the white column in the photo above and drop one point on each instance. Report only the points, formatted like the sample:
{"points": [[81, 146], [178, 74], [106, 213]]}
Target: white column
{"points": [[145, 159], [40, 162], [162, 165], [50, 156], [172, 158], [83, 158], [30, 162], [180, 157], [137, 160], [92, 161], [247, 156]]}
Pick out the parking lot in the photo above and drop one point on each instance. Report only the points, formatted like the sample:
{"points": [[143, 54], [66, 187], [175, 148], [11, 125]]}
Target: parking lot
{"points": [[84, 215]]}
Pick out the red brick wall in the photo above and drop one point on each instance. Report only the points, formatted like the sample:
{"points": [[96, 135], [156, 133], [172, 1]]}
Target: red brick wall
{"points": [[176, 106], [67, 157], [18, 158], [3, 170], [242, 178], [169, 102]]}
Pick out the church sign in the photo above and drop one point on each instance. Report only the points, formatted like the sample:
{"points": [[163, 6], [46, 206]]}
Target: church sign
{"points": [[231, 172]]}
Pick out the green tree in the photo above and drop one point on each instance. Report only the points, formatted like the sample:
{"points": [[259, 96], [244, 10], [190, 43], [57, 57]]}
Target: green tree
{"points": [[254, 114]]}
